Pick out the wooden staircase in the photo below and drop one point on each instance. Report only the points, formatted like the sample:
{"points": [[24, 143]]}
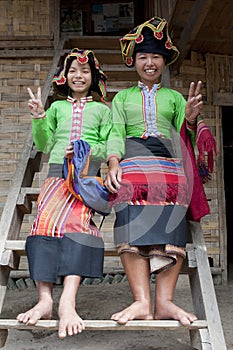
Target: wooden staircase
{"points": [[207, 332]]}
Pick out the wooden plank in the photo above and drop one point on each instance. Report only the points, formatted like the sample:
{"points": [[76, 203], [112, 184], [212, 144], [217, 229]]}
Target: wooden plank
{"points": [[9, 212], [3, 337], [26, 196], [93, 42], [223, 98], [221, 196], [203, 292], [108, 325], [110, 250], [38, 43], [26, 53], [29, 193], [18, 246], [194, 22], [192, 70]]}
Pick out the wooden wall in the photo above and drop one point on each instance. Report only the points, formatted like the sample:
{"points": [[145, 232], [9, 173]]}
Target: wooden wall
{"points": [[26, 51], [25, 18]]}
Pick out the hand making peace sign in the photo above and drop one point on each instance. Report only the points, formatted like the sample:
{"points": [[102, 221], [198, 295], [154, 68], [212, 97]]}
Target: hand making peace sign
{"points": [[194, 103], [35, 104]]}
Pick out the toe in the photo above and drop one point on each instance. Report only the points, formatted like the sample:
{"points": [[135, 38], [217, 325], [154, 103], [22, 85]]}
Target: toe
{"points": [[62, 332]]}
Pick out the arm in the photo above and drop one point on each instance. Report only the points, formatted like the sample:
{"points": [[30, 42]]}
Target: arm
{"points": [[194, 103], [116, 146], [188, 111], [113, 178], [42, 128], [117, 136]]}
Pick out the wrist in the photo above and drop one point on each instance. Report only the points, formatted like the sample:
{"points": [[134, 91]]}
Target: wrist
{"points": [[191, 122], [113, 160], [38, 116]]}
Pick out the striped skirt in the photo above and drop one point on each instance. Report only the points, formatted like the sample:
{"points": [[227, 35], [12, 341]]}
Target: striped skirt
{"points": [[151, 203], [63, 239]]}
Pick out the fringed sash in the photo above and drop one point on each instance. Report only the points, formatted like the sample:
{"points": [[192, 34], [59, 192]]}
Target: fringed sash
{"points": [[152, 180]]}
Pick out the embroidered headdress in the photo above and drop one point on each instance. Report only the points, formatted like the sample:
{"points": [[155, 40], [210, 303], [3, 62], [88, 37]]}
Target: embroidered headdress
{"points": [[98, 85], [150, 37]]}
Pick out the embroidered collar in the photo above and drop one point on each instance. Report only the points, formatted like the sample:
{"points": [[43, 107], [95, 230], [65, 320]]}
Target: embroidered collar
{"points": [[82, 99], [155, 87]]}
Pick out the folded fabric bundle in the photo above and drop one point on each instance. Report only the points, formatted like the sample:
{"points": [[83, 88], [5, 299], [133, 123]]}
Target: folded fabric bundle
{"points": [[89, 189]]}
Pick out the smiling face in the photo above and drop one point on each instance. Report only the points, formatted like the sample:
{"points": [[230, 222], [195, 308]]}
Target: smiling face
{"points": [[79, 79], [149, 67]]}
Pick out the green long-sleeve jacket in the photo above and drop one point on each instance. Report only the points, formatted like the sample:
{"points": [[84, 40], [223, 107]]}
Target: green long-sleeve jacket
{"points": [[52, 133], [129, 116]]}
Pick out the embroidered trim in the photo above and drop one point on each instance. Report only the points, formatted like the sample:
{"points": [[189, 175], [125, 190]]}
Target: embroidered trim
{"points": [[77, 113], [149, 110]]}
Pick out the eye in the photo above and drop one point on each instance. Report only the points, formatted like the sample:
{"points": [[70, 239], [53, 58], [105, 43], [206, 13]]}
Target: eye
{"points": [[157, 56]]}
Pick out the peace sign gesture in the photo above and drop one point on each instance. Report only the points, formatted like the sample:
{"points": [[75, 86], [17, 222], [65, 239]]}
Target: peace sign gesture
{"points": [[194, 104], [35, 104]]}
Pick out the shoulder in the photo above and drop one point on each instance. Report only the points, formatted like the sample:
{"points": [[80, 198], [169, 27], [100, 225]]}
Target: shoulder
{"points": [[59, 104], [171, 92], [131, 91], [100, 106]]}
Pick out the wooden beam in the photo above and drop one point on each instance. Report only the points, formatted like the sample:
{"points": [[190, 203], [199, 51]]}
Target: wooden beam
{"points": [[223, 98], [203, 291], [194, 22], [26, 53], [106, 325], [18, 246]]}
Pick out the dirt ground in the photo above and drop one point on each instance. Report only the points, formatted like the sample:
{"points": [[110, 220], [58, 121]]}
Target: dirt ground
{"points": [[99, 302]]}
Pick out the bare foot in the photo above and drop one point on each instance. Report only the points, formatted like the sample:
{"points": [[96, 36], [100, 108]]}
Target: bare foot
{"points": [[70, 322], [42, 310], [171, 311], [138, 310]]}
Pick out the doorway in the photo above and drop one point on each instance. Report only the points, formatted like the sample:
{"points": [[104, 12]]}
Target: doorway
{"points": [[102, 17], [227, 129]]}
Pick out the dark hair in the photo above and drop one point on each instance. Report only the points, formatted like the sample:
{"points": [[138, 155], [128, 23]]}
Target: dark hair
{"points": [[96, 75]]}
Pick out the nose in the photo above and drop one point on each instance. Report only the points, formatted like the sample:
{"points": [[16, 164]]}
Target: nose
{"points": [[78, 73], [149, 61]]}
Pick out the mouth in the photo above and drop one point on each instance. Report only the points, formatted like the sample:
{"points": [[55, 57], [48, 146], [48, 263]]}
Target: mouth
{"points": [[150, 71], [79, 83]]}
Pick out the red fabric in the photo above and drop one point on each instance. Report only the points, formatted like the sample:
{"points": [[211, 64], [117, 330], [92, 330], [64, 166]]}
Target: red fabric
{"points": [[205, 144], [152, 180], [199, 206]]}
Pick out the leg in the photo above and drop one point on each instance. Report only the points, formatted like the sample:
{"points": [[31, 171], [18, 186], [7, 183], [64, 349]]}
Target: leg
{"points": [[43, 309], [70, 322], [138, 274], [165, 288]]}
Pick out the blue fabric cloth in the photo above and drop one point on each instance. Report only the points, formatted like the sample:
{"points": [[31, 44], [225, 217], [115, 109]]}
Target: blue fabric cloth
{"points": [[93, 194]]}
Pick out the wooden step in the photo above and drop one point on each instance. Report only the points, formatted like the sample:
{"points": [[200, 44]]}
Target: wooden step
{"points": [[108, 325], [105, 56], [18, 246], [27, 195], [115, 76], [110, 250], [117, 68], [93, 42], [115, 86]]}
